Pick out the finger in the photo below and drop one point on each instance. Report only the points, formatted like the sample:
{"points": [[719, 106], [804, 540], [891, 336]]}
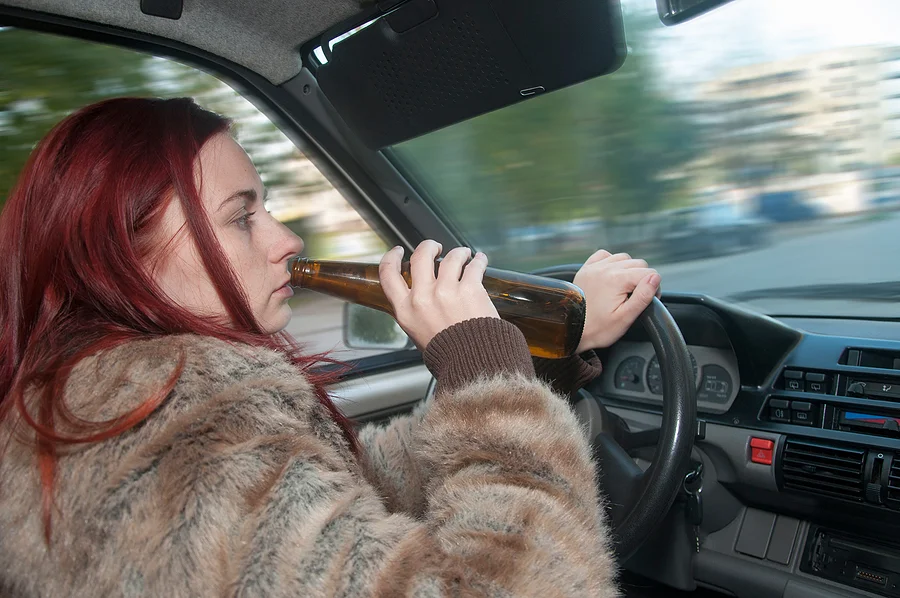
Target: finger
{"points": [[618, 257], [632, 263], [474, 273], [597, 256], [421, 264], [630, 278], [451, 268], [641, 297], [395, 288]]}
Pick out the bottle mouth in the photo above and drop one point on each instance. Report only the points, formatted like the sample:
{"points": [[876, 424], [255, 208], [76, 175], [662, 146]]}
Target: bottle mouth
{"points": [[295, 270]]}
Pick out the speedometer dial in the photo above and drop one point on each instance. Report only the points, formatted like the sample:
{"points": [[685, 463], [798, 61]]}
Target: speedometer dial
{"points": [[629, 374], [654, 376]]}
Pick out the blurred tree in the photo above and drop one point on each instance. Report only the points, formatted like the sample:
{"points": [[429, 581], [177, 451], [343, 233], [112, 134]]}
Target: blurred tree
{"points": [[602, 148], [46, 77]]}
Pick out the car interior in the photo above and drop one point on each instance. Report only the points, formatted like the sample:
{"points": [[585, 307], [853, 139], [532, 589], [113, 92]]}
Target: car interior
{"points": [[746, 448]]}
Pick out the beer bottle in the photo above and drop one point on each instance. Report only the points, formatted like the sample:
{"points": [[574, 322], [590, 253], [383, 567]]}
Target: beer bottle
{"points": [[549, 312]]}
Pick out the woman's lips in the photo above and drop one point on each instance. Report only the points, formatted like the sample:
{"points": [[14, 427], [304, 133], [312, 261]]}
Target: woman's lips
{"points": [[285, 291]]}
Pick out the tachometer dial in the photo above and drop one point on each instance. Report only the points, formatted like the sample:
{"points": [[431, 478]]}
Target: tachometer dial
{"points": [[629, 374]]}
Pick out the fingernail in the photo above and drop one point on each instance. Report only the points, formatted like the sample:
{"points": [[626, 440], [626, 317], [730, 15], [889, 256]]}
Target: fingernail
{"points": [[398, 249], [654, 279], [480, 255]]}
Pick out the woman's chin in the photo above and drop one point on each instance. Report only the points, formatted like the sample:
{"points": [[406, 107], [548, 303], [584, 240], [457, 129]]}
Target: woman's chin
{"points": [[278, 321]]}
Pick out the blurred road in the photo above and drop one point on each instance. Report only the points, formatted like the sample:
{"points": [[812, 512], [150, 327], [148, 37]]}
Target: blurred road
{"points": [[862, 251]]}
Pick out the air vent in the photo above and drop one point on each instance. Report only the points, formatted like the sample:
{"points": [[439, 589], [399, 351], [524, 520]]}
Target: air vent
{"points": [[823, 469], [893, 491]]}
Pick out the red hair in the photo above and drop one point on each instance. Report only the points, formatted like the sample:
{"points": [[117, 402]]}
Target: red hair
{"points": [[76, 234]]}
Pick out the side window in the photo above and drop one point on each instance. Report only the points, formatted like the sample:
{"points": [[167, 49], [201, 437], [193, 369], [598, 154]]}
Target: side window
{"points": [[47, 77]]}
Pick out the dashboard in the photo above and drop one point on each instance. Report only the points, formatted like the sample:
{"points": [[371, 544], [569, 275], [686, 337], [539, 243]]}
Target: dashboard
{"points": [[799, 418], [637, 376]]}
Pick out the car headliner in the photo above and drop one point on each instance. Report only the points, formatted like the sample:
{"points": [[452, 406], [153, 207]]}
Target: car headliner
{"points": [[261, 35]]}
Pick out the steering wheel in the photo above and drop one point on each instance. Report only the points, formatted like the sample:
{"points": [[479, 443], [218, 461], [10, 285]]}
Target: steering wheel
{"points": [[639, 500]]}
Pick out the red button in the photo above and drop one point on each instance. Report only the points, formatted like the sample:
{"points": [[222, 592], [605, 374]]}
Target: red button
{"points": [[761, 450]]}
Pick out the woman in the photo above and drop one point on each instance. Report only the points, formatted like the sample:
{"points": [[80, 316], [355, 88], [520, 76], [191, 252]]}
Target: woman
{"points": [[161, 435]]}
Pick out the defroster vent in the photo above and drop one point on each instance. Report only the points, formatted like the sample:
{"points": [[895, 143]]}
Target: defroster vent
{"points": [[823, 469]]}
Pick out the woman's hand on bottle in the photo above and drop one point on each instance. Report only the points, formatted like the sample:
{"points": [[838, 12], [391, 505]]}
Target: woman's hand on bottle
{"points": [[432, 303], [617, 289]]}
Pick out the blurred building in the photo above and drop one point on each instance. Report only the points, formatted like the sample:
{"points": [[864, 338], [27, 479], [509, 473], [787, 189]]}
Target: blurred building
{"points": [[835, 111]]}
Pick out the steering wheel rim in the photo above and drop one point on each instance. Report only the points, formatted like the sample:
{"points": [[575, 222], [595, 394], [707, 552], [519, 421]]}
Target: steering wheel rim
{"points": [[654, 490], [649, 493]]}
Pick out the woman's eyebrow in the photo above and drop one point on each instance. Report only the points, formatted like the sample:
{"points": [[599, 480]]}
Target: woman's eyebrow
{"points": [[247, 195]]}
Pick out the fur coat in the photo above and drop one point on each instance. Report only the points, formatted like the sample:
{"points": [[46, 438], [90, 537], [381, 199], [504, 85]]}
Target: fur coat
{"points": [[240, 484]]}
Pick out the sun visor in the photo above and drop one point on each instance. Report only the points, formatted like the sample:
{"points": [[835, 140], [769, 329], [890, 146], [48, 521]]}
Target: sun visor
{"points": [[417, 66]]}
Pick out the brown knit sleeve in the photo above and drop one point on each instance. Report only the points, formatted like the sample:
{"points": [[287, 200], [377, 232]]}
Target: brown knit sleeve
{"points": [[477, 349], [567, 376]]}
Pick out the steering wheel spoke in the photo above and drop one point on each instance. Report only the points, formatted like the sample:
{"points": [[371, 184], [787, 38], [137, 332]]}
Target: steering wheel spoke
{"points": [[620, 478]]}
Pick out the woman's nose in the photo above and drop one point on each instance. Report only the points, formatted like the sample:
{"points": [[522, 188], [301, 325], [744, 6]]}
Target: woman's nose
{"points": [[289, 244]]}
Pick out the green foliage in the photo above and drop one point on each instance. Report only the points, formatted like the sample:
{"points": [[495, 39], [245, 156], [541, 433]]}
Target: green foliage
{"points": [[45, 78], [373, 327]]}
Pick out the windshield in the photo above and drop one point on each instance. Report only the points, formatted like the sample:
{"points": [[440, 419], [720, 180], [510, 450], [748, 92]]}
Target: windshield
{"points": [[746, 153]]}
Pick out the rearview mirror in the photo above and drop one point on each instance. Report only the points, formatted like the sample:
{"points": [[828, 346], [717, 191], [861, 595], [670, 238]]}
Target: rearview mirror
{"points": [[366, 328], [406, 68], [672, 12]]}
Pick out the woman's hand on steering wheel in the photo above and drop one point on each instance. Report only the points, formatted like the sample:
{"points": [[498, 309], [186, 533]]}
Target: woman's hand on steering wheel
{"points": [[617, 289]]}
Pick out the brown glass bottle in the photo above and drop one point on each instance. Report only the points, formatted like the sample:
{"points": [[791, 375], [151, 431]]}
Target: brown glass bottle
{"points": [[550, 313]]}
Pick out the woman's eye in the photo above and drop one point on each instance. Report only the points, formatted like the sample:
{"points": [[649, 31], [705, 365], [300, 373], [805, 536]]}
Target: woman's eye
{"points": [[244, 223]]}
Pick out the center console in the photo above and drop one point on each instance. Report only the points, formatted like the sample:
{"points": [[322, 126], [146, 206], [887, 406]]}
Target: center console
{"points": [[859, 397], [852, 560]]}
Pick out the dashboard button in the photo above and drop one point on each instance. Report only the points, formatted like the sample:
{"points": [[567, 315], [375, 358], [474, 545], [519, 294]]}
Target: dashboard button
{"points": [[795, 385], [779, 414], [793, 380], [801, 418], [780, 403], [818, 387], [816, 382], [761, 450], [802, 413]]}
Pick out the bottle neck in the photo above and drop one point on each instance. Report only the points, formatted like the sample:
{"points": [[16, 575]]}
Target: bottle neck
{"points": [[299, 269], [350, 281]]}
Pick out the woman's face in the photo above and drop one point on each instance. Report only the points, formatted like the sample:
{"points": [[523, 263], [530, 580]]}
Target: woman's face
{"points": [[257, 245]]}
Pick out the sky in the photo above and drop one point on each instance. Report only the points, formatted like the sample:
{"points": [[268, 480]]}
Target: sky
{"points": [[749, 31]]}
